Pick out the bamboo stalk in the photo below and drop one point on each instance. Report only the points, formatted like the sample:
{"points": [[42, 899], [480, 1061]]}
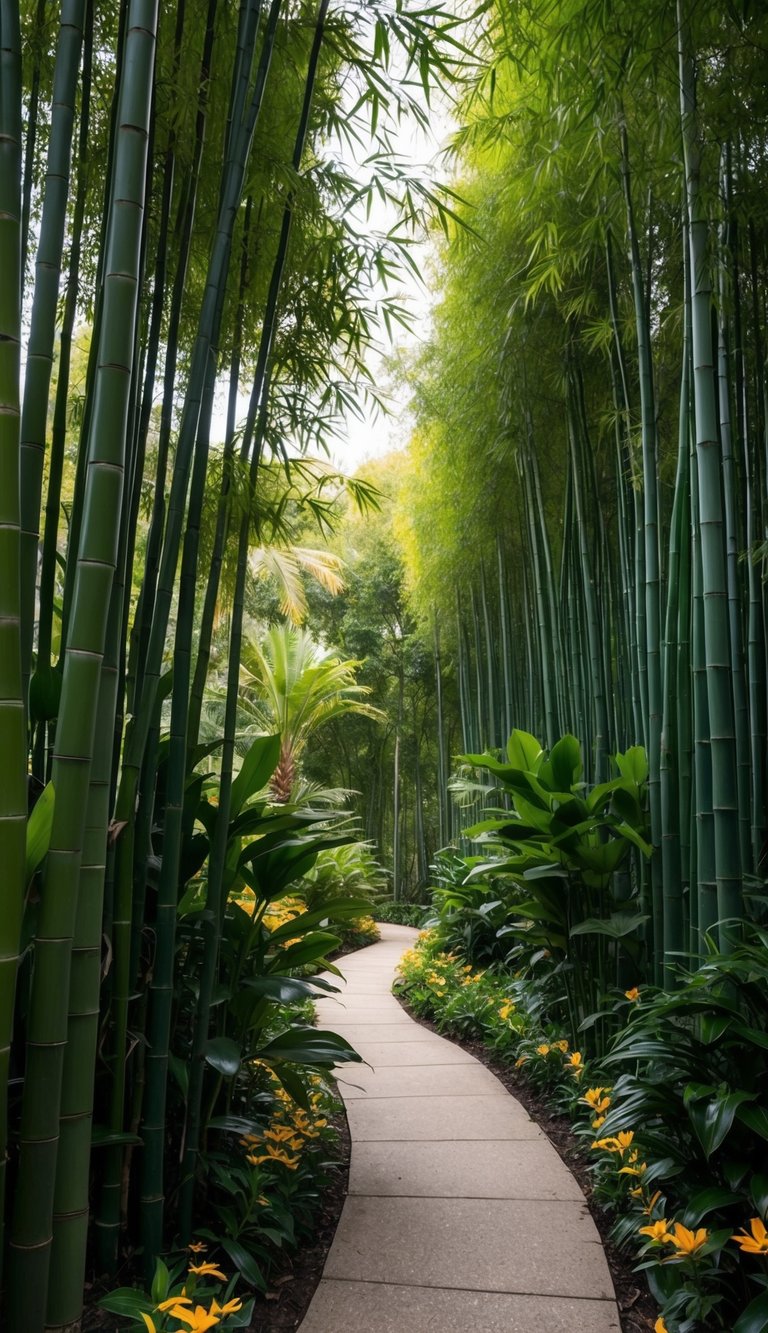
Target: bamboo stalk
{"points": [[96, 559], [13, 742]]}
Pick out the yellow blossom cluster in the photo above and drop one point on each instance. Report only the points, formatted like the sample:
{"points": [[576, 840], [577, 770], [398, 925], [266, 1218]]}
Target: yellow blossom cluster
{"points": [[621, 1144], [598, 1101], [291, 1129], [194, 1317]]}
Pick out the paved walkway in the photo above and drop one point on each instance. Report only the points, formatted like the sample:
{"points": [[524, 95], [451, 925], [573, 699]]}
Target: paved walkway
{"points": [[460, 1215]]}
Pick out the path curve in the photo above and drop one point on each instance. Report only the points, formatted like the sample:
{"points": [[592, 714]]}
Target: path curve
{"points": [[460, 1214]]}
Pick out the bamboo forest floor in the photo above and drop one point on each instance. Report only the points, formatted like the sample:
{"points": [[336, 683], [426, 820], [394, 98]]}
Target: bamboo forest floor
{"points": [[460, 1213]]}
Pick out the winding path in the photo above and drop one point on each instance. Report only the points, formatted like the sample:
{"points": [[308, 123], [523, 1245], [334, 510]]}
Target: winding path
{"points": [[460, 1215]]}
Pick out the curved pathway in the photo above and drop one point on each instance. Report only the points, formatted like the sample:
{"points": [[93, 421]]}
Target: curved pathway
{"points": [[460, 1215]]}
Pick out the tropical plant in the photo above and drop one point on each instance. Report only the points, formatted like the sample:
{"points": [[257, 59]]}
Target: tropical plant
{"points": [[566, 846], [339, 872], [291, 685]]}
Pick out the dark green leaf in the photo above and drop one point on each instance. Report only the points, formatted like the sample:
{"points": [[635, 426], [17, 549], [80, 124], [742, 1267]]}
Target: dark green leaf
{"points": [[224, 1055]]}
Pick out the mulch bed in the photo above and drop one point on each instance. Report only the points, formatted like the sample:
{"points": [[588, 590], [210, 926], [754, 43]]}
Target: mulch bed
{"points": [[637, 1310]]}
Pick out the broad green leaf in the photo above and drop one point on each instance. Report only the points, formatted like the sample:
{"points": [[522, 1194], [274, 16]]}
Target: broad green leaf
{"points": [[308, 950], [756, 1119], [633, 764], [565, 762], [293, 1083], [633, 836], [712, 1117], [258, 766], [45, 694], [284, 989], [758, 1188], [336, 909], [524, 751], [615, 927], [309, 1046], [160, 1282], [224, 1055], [755, 1318], [39, 827], [128, 1302], [704, 1201], [244, 1262]]}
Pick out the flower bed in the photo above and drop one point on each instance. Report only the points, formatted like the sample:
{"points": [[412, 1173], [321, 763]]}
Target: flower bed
{"points": [[676, 1170]]}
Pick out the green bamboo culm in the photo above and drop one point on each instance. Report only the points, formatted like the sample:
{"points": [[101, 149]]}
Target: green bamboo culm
{"points": [[96, 560], [42, 329], [216, 890], [728, 869], [13, 745]]}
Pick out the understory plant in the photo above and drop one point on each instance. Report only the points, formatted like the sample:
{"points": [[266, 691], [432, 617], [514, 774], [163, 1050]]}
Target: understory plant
{"points": [[673, 1117], [562, 886]]}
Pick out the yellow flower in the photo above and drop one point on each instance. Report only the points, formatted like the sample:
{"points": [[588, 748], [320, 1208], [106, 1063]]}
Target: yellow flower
{"points": [[637, 1193], [200, 1321], [208, 1270], [685, 1241], [757, 1243], [506, 1009], [172, 1301], [197, 1246], [543, 1049], [656, 1231], [651, 1204], [638, 1170], [229, 1307], [619, 1143], [574, 1060], [598, 1124], [150, 1323], [561, 1046], [632, 994], [660, 1326], [520, 1061], [468, 968], [593, 1096]]}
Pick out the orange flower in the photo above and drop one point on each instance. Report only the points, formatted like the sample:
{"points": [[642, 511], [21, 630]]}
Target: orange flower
{"points": [[197, 1247], [660, 1326], [757, 1243], [657, 1231], [632, 994], [229, 1307], [208, 1270], [687, 1243]]}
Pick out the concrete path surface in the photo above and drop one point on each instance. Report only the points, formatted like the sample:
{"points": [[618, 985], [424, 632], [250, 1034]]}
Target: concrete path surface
{"points": [[460, 1215]]}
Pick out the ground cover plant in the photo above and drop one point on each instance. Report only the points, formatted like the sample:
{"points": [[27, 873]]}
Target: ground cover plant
{"points": [[666, 1089]]}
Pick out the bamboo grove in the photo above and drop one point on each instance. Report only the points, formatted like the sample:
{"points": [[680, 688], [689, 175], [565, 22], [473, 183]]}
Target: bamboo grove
{"points": [[178, 226], [590, 413]]}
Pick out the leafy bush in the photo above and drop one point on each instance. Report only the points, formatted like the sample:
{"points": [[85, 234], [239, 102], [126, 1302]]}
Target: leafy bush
{"points": [[351, 871], [402, 914]]}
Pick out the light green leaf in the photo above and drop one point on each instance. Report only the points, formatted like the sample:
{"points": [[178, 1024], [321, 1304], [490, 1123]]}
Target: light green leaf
{"points": [[39, 827]]}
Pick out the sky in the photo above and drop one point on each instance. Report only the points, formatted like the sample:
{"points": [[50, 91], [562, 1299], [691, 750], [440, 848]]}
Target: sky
{"points": [[379, 433]]}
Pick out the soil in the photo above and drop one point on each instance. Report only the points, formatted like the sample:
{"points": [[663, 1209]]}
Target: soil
{"points": [[637, 1309]]}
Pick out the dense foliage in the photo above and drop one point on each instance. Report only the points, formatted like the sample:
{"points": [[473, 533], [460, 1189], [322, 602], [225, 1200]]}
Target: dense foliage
{"points": [[182, 221], [584, 505]]}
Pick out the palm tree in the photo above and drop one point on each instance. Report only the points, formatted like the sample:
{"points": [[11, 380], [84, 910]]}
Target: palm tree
{"points": [[292, 685]]}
